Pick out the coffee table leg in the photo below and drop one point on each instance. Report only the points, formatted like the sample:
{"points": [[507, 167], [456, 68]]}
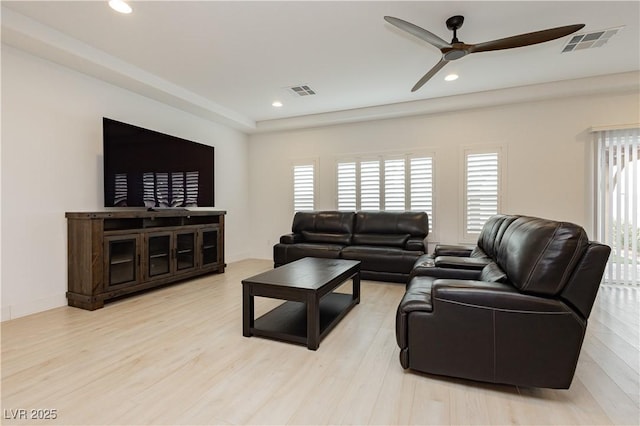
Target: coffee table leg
{"points": [[313, 322], [247, 311], [356, 287]]}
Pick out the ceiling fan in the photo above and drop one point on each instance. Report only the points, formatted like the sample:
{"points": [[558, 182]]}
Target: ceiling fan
{"points": [[456, 49]]}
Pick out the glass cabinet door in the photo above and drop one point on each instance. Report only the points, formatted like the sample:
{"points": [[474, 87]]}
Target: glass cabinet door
{"points": [[185, 251], [122, 259], [158, 254], [209, 247]]}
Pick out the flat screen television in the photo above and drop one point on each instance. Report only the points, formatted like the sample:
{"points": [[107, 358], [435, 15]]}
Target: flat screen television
{"points": [[145, 168]]}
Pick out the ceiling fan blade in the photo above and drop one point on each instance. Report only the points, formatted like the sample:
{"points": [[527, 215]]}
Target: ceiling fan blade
{"points": [[433, 71], [525, 39], [415, 30]]}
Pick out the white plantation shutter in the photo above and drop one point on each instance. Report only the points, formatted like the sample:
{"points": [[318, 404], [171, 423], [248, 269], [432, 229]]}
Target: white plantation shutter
{"points": [[370, 185], [394, 183], [421, 184], [617, 205], [303, 187], [481, 189], [347, 186], [398, 184]]}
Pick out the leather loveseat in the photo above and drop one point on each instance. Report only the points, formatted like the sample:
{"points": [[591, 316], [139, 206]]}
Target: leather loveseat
{"points": [[387, 243], [519, 320]]}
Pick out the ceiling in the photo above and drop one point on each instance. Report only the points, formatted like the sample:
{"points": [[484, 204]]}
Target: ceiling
{"points": [[228, 61]]}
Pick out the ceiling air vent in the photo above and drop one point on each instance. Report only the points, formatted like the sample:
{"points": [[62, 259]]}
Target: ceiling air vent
{"points": [[589, 40], [302, 90]]}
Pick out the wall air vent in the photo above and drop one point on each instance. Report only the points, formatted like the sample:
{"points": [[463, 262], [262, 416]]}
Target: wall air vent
{"points": [[301, 90], [589, 40]]}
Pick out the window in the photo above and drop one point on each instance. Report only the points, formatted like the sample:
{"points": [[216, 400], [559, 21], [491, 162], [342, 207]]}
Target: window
{"points": [[394, 183], [421, 184], [481, 189], [303, 187], [394, 180], [347, 184], [617, 176], [370, 185]]}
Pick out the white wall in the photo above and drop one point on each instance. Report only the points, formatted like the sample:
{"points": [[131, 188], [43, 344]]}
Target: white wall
{"points": [[546, 170], [52, 163]]}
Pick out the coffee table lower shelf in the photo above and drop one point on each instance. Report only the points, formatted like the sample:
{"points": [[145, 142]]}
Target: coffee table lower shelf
{"points": [[288, 322]]}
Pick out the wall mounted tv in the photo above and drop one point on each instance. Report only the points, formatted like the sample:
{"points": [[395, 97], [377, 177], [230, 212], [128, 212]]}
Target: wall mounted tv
{"points": [[145, 168]]}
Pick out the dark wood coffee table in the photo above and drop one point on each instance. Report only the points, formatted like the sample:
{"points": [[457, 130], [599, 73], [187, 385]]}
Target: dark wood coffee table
{"points": [[311, 310]]}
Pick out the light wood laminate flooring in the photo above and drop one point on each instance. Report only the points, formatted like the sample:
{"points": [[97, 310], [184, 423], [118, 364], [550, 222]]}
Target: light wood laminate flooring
{"points": [[177, 356]]}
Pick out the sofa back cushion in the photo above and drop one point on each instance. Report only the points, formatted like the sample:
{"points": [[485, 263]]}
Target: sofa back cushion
{"points": [[324, 227], [539, 255], [326, 237], [326, 221], [492, 273], [389, 240], [415, 224], [492, 232]]}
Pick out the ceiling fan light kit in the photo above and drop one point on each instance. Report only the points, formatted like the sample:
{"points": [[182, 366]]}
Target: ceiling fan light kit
{"points": [[457, 49]]}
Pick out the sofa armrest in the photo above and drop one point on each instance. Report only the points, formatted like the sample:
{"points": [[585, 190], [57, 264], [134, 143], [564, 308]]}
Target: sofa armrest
{"points": [[416, 244], [291, 239], [453, 250], [492, 295], [454, 262], [416, 298], [493, 333]]}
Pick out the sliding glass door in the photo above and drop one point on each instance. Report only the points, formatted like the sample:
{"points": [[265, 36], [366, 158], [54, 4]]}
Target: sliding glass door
{"points": [[617, 210]]}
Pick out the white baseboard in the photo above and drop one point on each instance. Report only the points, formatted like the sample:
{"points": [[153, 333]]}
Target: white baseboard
{"points": [[5, 313], [10, 312], [237, 257]]}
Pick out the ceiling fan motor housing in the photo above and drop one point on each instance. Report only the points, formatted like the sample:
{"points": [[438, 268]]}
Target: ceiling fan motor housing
{"points": [[454, 54]]}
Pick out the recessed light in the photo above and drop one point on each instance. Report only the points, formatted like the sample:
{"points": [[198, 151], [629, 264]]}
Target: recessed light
{"points": [[276, 104], [120, 6], [451, 77]]}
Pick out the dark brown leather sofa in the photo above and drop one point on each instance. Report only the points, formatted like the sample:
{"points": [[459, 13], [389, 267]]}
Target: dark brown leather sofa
{"points": [[467, 257], [387, 243], [519, 320]]}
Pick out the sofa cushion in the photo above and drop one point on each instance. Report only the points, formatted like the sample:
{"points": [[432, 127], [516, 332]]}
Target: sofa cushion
{"points": [[492, 232], [539, 255], [478, 253], [493, 273], [326, 237], [392, 240], [415, 224], [285, 253], [382, 259], [455, 262], [325, 222]]}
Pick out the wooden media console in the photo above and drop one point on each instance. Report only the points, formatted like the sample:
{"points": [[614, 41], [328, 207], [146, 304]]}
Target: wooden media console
{"points": [[117, 252]]}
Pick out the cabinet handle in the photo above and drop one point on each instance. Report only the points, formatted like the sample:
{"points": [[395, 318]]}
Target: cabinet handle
{"points": [[138, 260]]}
